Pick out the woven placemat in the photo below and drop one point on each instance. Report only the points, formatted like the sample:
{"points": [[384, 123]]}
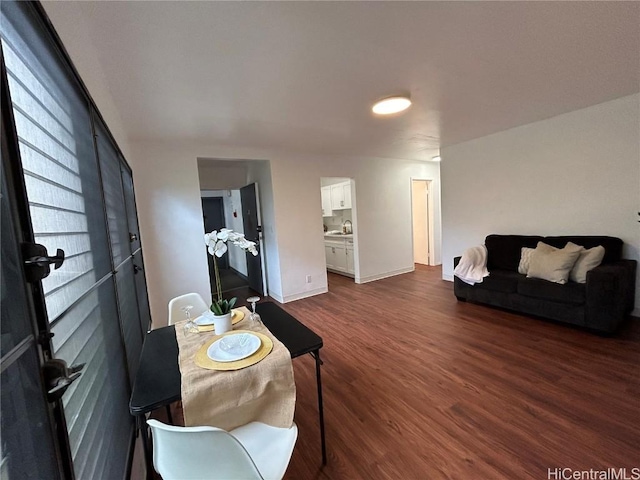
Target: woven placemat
{"points": [[202, 359], [236, 316]]}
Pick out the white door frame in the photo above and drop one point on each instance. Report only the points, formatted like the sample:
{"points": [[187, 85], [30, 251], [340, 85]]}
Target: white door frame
{"points": [[430, 215]]}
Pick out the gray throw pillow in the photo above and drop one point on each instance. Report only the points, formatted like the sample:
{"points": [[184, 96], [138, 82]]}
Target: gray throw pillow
{"points": [[553, 265]]}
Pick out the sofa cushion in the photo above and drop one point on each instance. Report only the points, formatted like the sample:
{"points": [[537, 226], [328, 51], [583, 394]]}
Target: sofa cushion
{"points": [[588, 260], [573, 293], [500, 281], [553, 264], [612, 246], [504, 251]]}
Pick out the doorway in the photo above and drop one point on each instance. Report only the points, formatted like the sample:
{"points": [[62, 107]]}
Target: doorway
{"points": [[218, 210], [239, 211], [339, 221], [422, 221]]}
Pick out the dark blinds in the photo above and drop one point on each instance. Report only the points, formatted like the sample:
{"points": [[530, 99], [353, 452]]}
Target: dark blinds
{"points": [[113, 195], [85, 210]]}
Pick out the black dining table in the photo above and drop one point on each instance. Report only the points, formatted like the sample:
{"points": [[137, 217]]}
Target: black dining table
{"points": [[157, 381]]}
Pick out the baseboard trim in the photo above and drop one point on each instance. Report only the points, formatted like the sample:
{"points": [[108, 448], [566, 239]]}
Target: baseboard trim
{"points": [[380, 276], [447, 277], [301, 295], [276, 296]]}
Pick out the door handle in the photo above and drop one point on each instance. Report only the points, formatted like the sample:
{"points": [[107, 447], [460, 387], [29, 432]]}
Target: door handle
{"points": [[58, 377]]}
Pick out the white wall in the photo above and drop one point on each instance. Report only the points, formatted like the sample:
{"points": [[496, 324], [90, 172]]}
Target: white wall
{"points": [[171, 227], [383, 205], [260, 172], [168, 197], [574, 174], [214, 176]]}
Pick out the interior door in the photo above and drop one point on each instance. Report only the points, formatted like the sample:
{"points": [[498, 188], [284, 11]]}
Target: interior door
{"points": [[252, 231], [28, 422]]}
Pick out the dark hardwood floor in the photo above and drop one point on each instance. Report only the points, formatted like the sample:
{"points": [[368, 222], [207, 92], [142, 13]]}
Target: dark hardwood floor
{"points": [[420, 386]]}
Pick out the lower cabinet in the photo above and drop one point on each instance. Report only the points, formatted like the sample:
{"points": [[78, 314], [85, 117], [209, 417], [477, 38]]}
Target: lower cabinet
{"points": [[350, 264], [339, 255]]}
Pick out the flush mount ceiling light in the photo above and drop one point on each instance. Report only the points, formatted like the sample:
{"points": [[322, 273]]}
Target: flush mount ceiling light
{"points": [[390, 105], [436, 159]]}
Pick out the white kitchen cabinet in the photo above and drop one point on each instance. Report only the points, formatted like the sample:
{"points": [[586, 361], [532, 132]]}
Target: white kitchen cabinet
{"points": [[350, 263], [325, 194], [341, 196], [335, 252], [339, 255]]}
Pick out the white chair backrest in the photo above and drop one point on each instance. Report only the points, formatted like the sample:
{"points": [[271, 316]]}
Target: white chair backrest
{"points": [[193, 299], [199, 453]]}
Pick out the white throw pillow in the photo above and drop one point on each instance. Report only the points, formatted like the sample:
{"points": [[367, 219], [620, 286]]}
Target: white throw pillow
{"points": [[525, 259], [553, 265], [587, 260]]}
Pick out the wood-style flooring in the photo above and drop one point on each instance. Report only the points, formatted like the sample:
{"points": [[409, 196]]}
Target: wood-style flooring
{"points": [[420, 386]]}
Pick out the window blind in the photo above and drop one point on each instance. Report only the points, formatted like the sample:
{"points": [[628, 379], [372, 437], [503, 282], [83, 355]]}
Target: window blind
{"points": [[77, 202]]}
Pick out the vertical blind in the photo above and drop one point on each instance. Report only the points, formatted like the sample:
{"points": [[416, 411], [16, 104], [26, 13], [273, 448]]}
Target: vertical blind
{"points": [[73, 173]]}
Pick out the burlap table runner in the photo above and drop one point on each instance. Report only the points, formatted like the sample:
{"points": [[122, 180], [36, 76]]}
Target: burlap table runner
{"points": [[264, 392]]}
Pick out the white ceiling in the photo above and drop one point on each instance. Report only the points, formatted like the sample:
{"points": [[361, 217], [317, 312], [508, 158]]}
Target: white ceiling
{"points": [[301, 76]]}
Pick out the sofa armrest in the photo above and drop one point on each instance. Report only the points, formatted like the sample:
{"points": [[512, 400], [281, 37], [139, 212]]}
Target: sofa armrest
{"points": [[610, 292]]}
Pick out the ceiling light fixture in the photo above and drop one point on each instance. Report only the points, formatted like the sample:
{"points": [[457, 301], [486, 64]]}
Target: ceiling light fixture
{"points": [[390, 105], [436, 159]]}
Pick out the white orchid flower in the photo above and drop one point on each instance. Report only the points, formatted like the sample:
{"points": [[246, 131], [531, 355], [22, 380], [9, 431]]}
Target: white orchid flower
{"points": [[220, 248], [210, 238], [224, 233], [216, 242]]}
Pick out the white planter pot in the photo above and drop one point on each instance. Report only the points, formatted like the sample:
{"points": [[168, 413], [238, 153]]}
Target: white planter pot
{"points": [[222, 323]]}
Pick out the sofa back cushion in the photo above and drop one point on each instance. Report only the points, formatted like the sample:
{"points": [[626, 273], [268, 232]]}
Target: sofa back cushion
{"points": [[503, 251], [612, 245]]}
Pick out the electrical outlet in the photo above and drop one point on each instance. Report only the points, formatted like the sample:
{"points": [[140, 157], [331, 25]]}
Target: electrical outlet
{"points": [[308, 278]]}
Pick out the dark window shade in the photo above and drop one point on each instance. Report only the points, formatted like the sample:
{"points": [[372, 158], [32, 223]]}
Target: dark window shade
{"points": [[56, 147], [127, 183], [96, 405], [129, 315], [109, 160], [141, 292], [72, 209]]}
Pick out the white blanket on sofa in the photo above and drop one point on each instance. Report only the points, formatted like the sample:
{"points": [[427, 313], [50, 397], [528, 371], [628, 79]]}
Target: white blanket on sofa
{"points": [[473, 265]]}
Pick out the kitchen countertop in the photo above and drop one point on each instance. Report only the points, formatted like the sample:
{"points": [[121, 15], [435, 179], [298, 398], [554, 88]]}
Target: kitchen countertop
{"points": [[338, 235]]}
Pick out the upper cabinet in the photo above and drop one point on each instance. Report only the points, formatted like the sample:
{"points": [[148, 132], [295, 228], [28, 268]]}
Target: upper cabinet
{"points": [[325, 193], [340, 196]]}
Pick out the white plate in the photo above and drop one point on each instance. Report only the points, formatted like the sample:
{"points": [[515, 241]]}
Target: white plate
{"points": [[235, 346], [204, 320]]}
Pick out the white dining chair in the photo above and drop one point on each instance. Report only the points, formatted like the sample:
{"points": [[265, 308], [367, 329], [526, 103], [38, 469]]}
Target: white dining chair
{"points": [[252, 451], [193, 299]]}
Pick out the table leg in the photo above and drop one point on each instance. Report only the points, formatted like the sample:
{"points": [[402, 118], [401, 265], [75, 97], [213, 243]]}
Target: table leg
{"points": [[148, 459], [316, 355]]}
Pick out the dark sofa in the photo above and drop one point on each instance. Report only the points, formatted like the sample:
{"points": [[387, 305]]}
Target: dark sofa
{"points": [[600, 304]]}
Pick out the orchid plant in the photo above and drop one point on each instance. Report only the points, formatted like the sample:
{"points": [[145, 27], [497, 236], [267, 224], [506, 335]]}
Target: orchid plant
{"points": [[216, 243]]}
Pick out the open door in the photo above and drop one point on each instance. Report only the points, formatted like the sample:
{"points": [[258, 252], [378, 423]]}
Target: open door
{"points": [[252, 231]]}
